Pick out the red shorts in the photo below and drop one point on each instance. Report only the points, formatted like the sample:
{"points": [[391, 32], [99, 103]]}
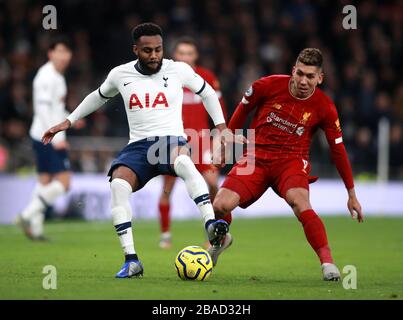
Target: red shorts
{"points": [[281, 175]]}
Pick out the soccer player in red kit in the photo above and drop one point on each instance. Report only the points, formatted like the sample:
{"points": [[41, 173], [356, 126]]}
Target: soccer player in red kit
{"points": [[288, 111], [195, 119]]}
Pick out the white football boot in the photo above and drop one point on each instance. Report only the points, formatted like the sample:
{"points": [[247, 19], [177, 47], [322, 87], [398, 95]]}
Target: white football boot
{"points": [[25, 225], [216, 250], [165, 240], [330, 272], [33, 228]]}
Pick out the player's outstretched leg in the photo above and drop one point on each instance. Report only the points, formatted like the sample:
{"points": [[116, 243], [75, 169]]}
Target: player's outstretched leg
{"points": [[211, 175], [314, 229], [164, 210], [225, 201], [24, 218], [216, 250], [198, 191], [122, 220], [227, 217], [166, 236], [315, 233], [32, 217]]}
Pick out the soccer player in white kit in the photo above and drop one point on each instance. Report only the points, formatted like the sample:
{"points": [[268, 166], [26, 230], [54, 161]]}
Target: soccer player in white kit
{"points": [[152, 91], [53, 166]]}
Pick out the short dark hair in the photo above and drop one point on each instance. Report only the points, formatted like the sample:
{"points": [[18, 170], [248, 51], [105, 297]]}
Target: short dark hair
{"points": [[185, 40], [146, 29], [60, 39], [311, 57]]}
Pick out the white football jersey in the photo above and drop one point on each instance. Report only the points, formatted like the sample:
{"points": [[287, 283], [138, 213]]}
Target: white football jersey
{"points": [[49, 94], [153, 103]]}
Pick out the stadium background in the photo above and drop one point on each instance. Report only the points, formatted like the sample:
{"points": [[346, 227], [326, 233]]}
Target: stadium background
{"points": [[241, 41]]}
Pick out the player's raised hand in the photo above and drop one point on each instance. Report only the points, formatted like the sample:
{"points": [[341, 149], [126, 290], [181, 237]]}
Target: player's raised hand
{"points": [[48, 135], [218, 156], [354, 206], [228, 137], [222, 143]]}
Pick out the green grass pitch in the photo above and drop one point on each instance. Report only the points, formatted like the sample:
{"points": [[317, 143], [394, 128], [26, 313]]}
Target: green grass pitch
{"points": [[269, 259]]}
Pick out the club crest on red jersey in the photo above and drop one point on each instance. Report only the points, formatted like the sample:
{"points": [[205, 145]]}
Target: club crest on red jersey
{"points": [[305, 117]]}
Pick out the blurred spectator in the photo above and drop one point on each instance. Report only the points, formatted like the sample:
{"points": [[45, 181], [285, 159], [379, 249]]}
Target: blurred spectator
{"points": [[88, 161], [398, 102], [396, 151], [363, 153], [366, 96], [382, 109]]}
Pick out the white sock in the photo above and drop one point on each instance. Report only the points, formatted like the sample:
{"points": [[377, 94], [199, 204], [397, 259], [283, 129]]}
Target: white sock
{"points": [[122, 214], [37, 189], [29, 210], [195, 185], [44, 195], [166, 235], [37, 221], [325, 264]]}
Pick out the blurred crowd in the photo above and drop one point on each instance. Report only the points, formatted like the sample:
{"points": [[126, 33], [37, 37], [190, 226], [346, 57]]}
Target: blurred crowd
{"points": [[240, 40]]}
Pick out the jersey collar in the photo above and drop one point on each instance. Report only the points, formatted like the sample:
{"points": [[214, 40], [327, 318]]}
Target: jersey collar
{"points": [[140, 70]]}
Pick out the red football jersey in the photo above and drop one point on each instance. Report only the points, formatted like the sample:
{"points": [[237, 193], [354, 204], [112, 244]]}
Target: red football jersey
{"points": [[284, 125], [194, 114]]}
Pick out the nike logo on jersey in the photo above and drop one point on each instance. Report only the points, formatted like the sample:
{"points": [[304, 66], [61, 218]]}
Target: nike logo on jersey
{"points": [[125, 84]]}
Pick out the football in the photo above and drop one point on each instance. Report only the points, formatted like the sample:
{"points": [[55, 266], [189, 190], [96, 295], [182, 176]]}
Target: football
{"points": [[193, 263]]}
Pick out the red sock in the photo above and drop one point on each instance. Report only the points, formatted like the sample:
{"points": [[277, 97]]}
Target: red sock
{"points": [[315, 233], [164, 217], [227, 218]]}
